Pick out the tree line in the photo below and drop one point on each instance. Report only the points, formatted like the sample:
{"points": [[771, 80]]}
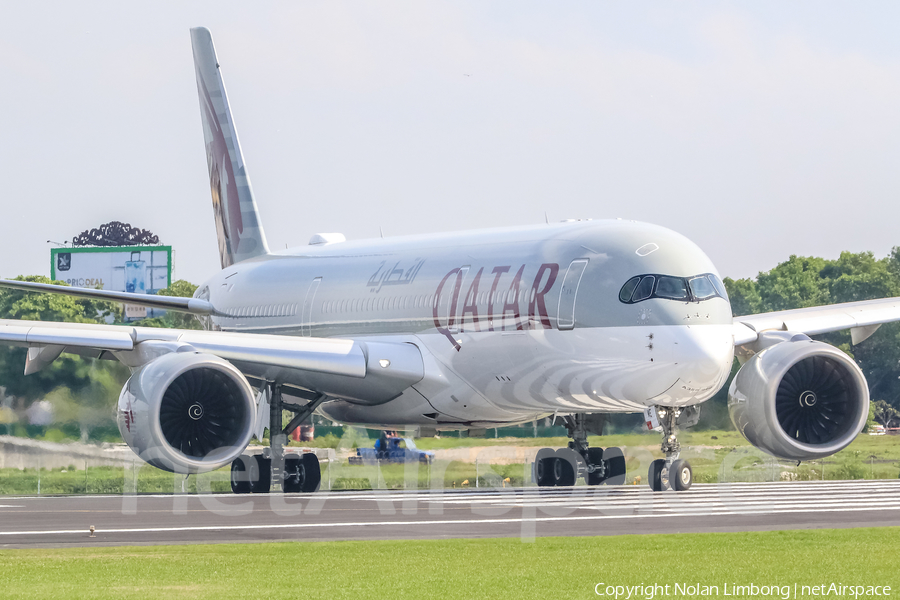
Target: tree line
{"points": [[81, 391], [804, 281]]}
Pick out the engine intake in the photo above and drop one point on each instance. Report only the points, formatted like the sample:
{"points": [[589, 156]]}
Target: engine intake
{"points": [[187, 412], [799, 400]]}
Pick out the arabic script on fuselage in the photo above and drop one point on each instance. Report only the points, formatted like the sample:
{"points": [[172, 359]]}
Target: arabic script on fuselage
{"points": [[394, 275]]}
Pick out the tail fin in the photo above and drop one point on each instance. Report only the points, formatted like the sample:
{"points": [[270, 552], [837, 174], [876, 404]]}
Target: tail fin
{"points": [[238, 226]]}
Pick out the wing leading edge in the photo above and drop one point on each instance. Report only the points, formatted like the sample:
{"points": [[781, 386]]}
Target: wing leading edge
{"points": [[861, 318], [194, 306], [328, 356], [369, 371]]}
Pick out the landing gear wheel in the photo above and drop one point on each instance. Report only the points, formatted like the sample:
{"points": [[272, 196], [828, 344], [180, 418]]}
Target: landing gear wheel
{"points": [[310, 464], [294, 474], [544, 463], [615, 466], [654, 476], [680, 475], [240, 480], [595, 458], [260, 474], [565, 467]]}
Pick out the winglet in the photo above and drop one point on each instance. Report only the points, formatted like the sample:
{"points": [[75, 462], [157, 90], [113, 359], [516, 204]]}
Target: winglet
{"points": [[238, 227]]}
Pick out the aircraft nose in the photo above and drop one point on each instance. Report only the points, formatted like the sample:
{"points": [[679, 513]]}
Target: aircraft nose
{"points": [[705, 354]]}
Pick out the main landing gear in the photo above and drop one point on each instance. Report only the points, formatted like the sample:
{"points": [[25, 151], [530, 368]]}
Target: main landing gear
{"points": [[670, 471], [606, 466], [294, 472], [564, 466]]}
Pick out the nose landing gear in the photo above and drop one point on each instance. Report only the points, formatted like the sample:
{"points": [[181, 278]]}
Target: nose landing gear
{"points": [[671, 471]]}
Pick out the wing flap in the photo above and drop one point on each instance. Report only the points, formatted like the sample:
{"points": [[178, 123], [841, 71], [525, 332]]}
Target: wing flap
{"points": [[322, 355]]}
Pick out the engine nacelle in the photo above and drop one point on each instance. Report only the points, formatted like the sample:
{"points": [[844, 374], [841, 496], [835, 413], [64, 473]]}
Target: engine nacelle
{"points": [[187, 412], [799, 400]]}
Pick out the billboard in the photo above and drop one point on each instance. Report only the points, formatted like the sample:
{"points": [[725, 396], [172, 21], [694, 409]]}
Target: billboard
{"points": [[134, 269]]}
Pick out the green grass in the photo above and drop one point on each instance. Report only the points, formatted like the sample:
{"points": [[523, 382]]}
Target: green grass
{"points": [[714, 456], [116, 480], [449, 569]]}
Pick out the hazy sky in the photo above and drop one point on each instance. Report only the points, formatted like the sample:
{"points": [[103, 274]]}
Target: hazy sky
{"points": [[758, 129]]}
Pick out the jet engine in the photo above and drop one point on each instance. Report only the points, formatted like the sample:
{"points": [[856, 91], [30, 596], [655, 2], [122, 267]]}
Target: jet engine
{"points": [[799, 399], [187, 412]]}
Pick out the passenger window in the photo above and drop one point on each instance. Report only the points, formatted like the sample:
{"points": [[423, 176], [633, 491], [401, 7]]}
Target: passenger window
{"points": [[702, 288], [645, 288], [672, 288], [628, 289]]}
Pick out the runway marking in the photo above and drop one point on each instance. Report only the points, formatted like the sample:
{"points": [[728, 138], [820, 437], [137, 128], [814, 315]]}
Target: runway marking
{"points": [[486, 508], [860, 486], [494, 521]]}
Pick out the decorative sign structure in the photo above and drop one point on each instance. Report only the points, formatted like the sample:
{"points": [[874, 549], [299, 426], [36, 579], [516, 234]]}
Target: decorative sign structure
{"points": [[113, 257], [115, 233]]}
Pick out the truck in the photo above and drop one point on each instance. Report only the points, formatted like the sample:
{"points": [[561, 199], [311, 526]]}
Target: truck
{"points": [[392, 448]]}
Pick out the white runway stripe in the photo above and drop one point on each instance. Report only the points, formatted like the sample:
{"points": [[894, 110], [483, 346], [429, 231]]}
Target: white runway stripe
{"points": [[859, 487], [538, 506], [428, 523]]}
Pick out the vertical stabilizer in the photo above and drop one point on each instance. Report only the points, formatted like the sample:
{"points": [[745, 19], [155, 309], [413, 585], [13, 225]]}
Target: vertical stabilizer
{"points": [[238, 226]]}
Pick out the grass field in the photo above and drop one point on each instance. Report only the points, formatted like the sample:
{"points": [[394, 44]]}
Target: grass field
{"points": [[448, 569], [714, 455]]}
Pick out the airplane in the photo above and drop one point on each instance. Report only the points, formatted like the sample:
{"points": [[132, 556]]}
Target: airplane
{"points": [[456, 331]]}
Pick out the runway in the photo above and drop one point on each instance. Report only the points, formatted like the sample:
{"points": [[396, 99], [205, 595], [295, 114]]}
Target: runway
{"points": [[34, 522]]}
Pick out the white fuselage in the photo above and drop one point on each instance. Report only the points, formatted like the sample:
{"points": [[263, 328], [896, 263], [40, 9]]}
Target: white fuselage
{"points": [[512, 323]]}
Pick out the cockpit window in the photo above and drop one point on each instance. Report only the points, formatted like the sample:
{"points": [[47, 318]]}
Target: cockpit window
{"points": [[645, 289], [720, 287], [672, 288], [702, 288], [628, 289], [687, 289]]}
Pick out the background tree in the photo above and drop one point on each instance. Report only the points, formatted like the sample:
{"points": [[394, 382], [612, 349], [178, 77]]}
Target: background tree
{"points": [[744, 296], [884, 413], [802, 282], [173, 319], [94, 383]]}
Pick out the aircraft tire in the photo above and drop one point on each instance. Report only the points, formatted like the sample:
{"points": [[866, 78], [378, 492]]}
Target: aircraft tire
{"points": [[260, 474], [542, 473], [312, 471], [615, 461], [565, 468], [240, 482], [681, 476], [654, 476]]}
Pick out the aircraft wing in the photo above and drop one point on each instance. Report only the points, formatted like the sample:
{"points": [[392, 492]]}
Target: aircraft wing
{"points": [[46, 340], [861, 318], [188, 305]]}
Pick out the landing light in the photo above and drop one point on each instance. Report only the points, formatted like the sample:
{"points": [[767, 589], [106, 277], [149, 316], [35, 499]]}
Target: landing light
{"points": [[385, 363]]}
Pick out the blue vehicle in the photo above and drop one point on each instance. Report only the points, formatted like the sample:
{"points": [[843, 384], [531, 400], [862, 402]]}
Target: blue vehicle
{"points": [[392, 448]]}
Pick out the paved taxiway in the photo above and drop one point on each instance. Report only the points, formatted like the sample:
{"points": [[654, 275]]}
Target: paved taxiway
{"points": [[527, 513]]}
